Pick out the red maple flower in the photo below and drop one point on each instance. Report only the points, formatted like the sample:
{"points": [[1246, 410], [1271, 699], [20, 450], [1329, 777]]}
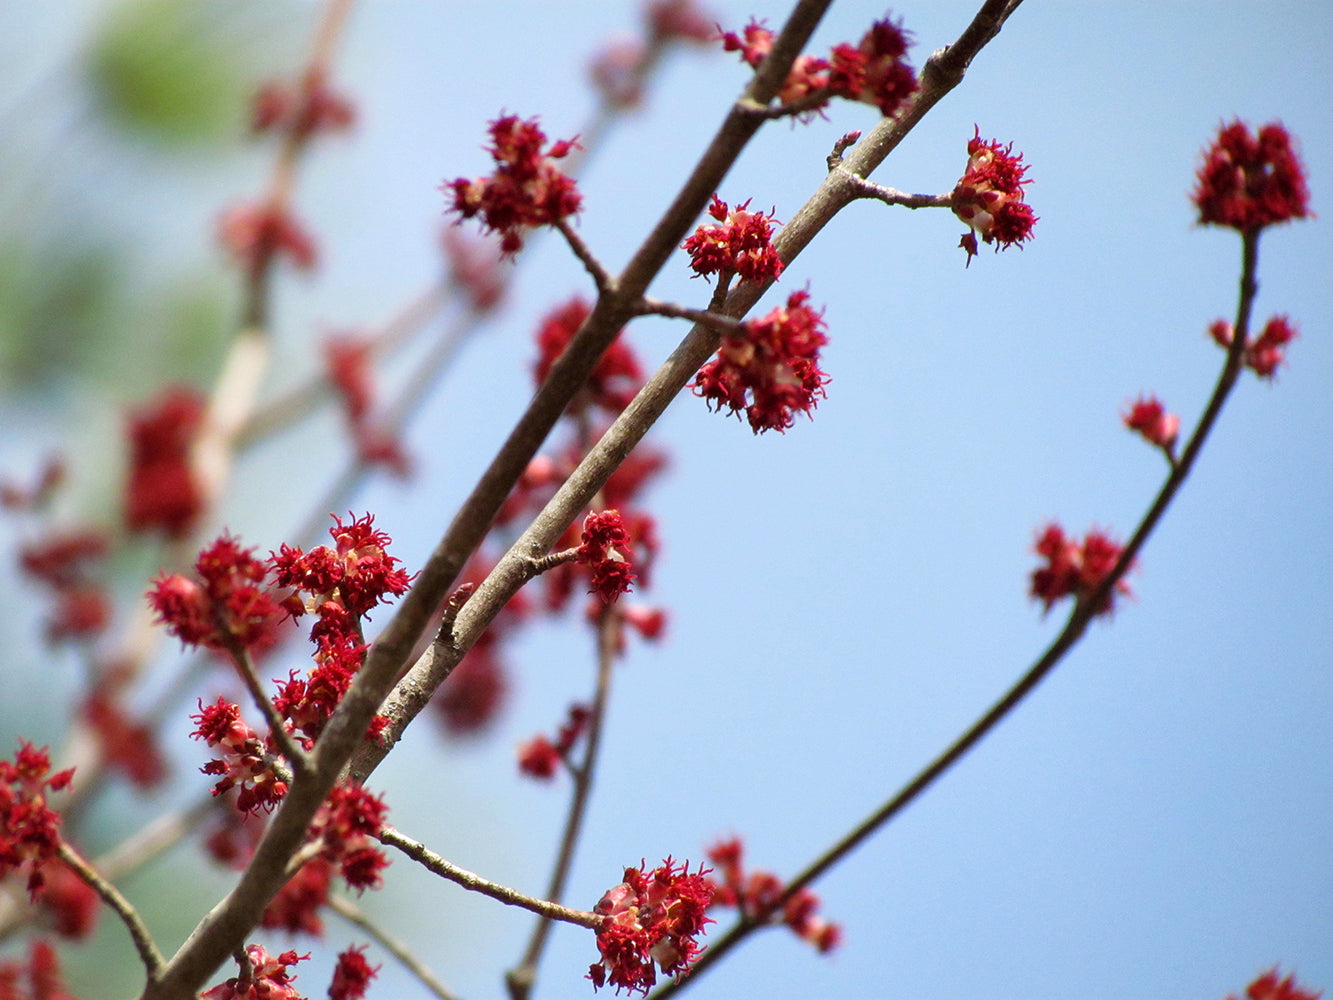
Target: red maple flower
{"points": [[770, 368], [650, 921], [1149, 418], [740, 244], [808, 74], [683, 20], [229, 605], [989, 197], [527, 188], [874, 71], [352, 975], [1270, 987], [474, 267], [295, 909], [41, 972], [268, 978], [29, 829], [255, 234], [245, 762], [1075, 569], [540, 757], [302, 109], [1249, 181], [161, 490], [606, 551], [617, 376], [756, 895], [1267, 351]]}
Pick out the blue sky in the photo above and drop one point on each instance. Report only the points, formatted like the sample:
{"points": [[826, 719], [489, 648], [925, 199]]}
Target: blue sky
{"points": [[844, 599]]}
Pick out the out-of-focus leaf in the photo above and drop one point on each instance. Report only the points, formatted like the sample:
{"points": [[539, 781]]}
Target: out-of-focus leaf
{"points": [[162, 70]]}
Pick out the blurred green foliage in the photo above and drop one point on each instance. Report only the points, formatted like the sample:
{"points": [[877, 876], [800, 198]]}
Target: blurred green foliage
{"points": [[161, 70]]}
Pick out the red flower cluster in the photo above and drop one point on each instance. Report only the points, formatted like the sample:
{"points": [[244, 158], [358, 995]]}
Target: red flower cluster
{"points": [[268, 978], [302, 109], [1149, 418], [63, 561], [161, 490], [989, 196], [474, 267], [230, 606], [741, 244], [1075, 568], [606, 551], [756, 895], [1270, 987], [340, 585], [352, 975], [1264, 354], [874, 71], [539, 757], [29, 829], [254, 234], [1248, 181], [245, 763], [347, 361], [345, 826], [42, 972], [527, 188], [613, 382], [770, 368], [651, 918]]}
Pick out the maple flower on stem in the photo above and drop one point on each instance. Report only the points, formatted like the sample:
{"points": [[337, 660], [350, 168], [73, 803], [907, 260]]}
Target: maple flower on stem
{"points": [[760, 898], [262, 977], [1264, 354], [29, 828], [1077, 569], [606, 551], [989, 197], [527, 188], [1249, 181], [770, 368], [540, 757], [650, 921], [1149, 418], [741, 243]]}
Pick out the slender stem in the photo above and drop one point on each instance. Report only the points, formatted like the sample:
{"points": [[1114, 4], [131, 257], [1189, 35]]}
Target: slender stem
{"points": [[356, 916], [290, 749], [521, 978], [424, 856], [1084, 611], [129, 916]]}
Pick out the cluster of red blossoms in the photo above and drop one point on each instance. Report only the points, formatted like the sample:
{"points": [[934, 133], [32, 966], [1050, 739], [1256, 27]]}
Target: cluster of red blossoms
{"points": [[29, 828], [614, 381], [770, 368], [539, 757], [1250, 181], [161, 491], [1075, 568], [1266, 352], [756, 895], [740, 244], [348, 363], [606, 551], [874, 71], [989, 196], [233, 608], [268, 977], [1150, 418], [302, 109], [527, 188], [649, 921]]}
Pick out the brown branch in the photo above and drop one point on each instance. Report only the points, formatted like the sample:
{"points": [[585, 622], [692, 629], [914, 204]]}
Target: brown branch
{"points": [[123, 908], [424, 856], [520, 979], [1084, 611]]}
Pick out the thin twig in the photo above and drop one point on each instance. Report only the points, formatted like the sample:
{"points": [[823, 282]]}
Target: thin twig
{"points": [[424, 856], [129, 916], [521, 978], [1084, 611], [358, 917]]}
